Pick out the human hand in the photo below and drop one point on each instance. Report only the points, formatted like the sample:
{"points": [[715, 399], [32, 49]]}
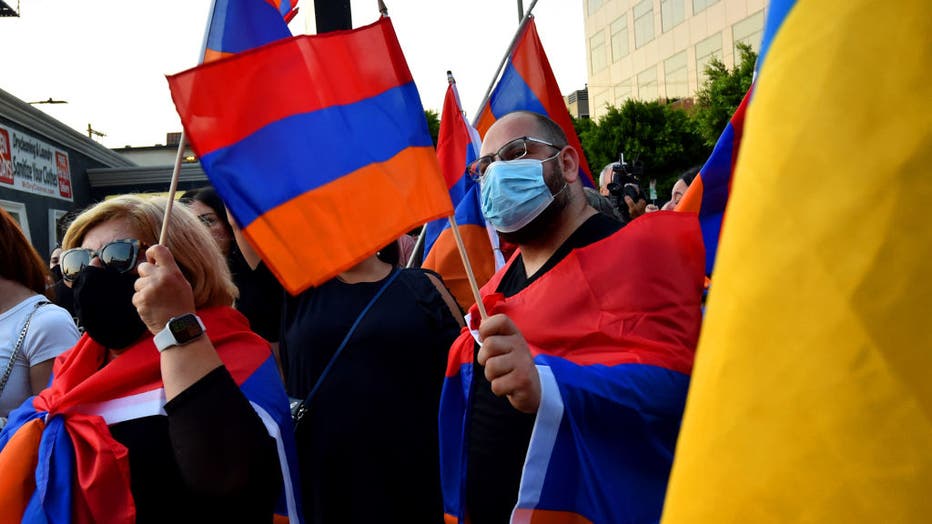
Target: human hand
{"points": [[651, 208], [162, 292], [508, 363]]}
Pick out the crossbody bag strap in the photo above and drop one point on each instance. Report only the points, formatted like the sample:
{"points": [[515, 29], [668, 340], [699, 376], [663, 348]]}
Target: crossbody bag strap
{"points": [[19, 344], [302, 409]]}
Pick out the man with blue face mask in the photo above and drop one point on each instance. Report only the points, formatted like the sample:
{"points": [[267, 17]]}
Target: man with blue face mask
{"points": [[566, 401]]}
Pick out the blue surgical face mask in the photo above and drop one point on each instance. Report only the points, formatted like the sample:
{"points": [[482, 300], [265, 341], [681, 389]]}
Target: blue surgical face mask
{"points": [[514, 193]]}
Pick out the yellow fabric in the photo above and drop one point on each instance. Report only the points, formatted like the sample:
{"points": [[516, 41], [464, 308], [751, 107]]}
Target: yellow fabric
{"points": [[812, 393]]}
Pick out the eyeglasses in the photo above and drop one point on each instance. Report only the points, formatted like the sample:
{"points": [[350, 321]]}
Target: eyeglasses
{"points": [[120, 255], [517, 148], [208, 219]]}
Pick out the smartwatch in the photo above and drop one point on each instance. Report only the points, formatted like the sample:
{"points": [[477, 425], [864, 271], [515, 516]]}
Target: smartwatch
{"points": [[179, 331]]}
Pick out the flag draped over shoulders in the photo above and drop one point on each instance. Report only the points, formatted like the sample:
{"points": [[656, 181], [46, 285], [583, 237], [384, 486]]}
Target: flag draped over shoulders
{"points": [[811, 400], [457, 146], [58, 461], [614, 356], [318, 146], [527, 84]]}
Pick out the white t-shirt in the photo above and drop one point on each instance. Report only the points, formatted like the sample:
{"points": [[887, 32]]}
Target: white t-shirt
{"points": [[51, 332]]}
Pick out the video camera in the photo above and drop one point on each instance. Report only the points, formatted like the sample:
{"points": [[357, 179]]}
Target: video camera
{"points": [[626, 180]]}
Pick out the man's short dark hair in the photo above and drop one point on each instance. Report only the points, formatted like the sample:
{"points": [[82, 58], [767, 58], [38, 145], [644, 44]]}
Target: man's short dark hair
{"points": [[547, 129]]}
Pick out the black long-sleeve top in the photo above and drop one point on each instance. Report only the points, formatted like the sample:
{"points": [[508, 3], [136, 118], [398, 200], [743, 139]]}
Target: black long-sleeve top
{"points": [[210, 460]]}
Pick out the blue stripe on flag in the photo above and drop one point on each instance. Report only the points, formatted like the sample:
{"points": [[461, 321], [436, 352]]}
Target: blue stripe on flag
{"points": [[314, 144]]}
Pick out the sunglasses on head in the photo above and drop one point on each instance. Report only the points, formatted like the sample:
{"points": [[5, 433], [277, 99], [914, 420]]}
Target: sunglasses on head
{"points": [[120, 255]]}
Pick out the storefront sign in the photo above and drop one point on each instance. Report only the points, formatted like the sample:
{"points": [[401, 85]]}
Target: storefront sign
{"points": [[31, 165]]}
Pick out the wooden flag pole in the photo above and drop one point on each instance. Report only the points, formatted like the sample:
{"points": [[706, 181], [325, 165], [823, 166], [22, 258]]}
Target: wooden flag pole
{"points": [[417, 246], [176, 171], [172, 188], [468, 266], [488, 92]]}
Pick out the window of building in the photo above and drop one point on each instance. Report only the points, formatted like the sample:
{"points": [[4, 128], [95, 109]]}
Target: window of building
{"points": [[623, 91], [672, 12], [597, 51], [676, 76], [54, 215], [643, 23], [647, 84], [699, 5], [594, 5], [748, 31], [707, 49], [619, 30], [600, 99], [17, 210]]}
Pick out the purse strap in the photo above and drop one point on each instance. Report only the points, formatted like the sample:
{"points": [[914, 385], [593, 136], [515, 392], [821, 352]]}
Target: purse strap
{"points": [[302, 408], [19, 344]]}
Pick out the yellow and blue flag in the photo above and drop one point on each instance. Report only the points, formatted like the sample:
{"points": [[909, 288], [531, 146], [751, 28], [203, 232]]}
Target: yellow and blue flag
{"points": [[811, 399]]}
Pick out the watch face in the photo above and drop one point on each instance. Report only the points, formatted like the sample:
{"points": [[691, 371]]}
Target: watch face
{"points": [[185, 328]]}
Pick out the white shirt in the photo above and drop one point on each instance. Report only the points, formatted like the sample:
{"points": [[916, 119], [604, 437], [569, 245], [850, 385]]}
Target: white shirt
{"points": [[51, 332]]}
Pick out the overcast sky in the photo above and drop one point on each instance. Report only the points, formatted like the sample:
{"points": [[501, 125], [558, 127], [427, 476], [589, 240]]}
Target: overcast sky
{"points": [[109, 58]]}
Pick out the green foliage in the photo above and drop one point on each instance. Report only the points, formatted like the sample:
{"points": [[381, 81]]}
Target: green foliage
{"points": [[433, 124], [661, 136], [721, 93]]}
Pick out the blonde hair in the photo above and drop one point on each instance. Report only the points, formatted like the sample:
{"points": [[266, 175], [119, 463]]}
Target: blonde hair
{"points": [[190, 242]]}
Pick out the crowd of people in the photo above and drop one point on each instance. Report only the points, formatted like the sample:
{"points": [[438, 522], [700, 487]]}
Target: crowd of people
{"points": [[201, 391]]}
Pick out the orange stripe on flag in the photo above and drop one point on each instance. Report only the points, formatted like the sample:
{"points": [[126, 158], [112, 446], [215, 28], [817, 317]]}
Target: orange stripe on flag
{"points": [[444, 258], [305, 238], [692, 200], [18, 462]]}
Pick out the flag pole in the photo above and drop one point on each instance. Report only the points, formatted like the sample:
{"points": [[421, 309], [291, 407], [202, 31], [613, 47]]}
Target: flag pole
{"points": [[176, 171], [420, 237], [417, 246], [469, 273], [488, 92]]}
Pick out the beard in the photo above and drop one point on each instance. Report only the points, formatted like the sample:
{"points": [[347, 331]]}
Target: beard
{"points": [[547, 220]]}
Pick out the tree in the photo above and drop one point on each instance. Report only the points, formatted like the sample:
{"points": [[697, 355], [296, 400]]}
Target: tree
{"points": [[433, 124], [660, 136], [720, 94]]}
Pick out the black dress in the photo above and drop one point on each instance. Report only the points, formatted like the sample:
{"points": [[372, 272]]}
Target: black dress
{"points": [[368, 445]]}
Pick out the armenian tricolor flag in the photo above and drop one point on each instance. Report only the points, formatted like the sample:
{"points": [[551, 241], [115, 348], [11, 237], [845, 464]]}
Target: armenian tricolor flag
{"points": [[708, 194], [458, 146], [811, 399], [528, 84], [237, 25], [319, 147], [59, 462], [614, 363]]}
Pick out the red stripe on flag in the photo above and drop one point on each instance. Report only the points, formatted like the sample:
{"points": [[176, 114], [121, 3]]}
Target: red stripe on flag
{"points": [[228, 90]]}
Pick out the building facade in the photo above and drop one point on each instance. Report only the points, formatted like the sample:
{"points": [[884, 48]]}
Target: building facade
{"points": [[650, 49]]}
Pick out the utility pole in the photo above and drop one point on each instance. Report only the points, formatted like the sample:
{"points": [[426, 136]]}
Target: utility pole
{"points": [[91, 132], [332, 15]]}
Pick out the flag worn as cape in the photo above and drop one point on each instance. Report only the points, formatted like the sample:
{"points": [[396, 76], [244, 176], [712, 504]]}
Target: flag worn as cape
{"points": [[811, 399], [319, 147], [458, 146], [527, 84], [614, 352], [708, 194], [238, 25], [58, 461]]}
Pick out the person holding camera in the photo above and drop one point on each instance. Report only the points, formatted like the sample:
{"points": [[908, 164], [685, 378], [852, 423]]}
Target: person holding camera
{"points": [[618, 185], [566, 401]]}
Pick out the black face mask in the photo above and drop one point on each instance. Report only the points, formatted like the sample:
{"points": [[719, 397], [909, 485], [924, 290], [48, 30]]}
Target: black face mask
{"points": [[56, 273], [103, 301]]}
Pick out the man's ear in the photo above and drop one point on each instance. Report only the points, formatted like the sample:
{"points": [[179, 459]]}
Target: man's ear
{"points": [[570, 164]]}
